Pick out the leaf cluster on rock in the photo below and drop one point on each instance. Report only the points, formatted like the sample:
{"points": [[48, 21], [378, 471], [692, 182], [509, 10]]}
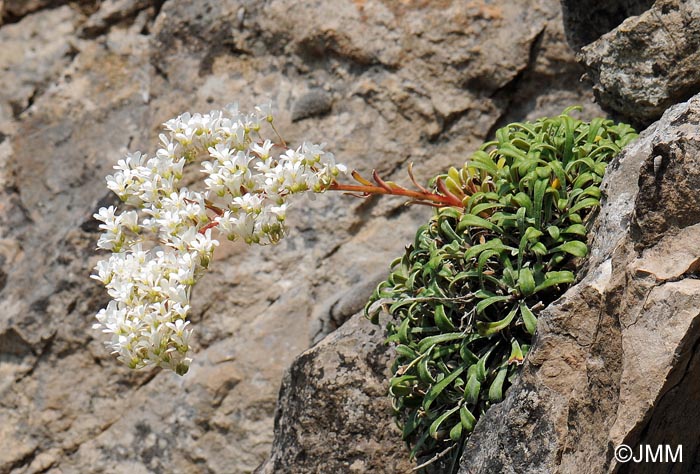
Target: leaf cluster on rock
{"points": [[464, 297]]}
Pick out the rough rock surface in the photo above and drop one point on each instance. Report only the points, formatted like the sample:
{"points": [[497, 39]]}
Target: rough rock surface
{"points": [[83, 82], [331, 397], [617, 360], [587, 20], [649, 62]]}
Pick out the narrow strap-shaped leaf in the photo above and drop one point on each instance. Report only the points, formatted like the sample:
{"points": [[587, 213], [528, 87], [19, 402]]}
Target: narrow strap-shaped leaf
{"points": [[472, 389], [529, 319], [403, 331], [405, 351], [401, 386], [488, 329], [574, 247], [478, 209], [412, 422], [483, 259], [559, 173], [435, 425], [593, 191], [424, 371], [556, 278], [494, 244], [583, 179], [467, 355], [576, 229], [593, 128], [483, 304], [516, 353], [439, 339], [540, 189], [437, 389], [523, 200], [526, 282], [569, 127], [480, 370], [448, 231], [467, 419], [456, 433], [585, 203], [496, 388], [441, 319], [451, 212], [470, 220], [419, 445]]}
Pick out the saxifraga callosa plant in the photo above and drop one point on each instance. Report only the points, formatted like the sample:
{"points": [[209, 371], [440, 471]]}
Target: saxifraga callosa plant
{"points": [[465, 296], [507, 236]]}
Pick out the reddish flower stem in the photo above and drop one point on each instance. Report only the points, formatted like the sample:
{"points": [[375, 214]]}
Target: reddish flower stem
{"points": [[442, 200]]}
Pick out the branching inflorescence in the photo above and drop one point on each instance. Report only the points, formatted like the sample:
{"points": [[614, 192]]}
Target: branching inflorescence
{"points": [[510, 230], [160, 251], [165, 242]]}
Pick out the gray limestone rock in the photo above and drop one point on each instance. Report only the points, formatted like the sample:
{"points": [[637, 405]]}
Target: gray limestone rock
{"points": [[84, 82], [649, 62], [587, 20], [333, 414], [314, 103], [615, 359]]}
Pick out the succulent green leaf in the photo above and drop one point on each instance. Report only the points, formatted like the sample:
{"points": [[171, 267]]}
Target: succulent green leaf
{"points": [[485, 303], [424, 371], [554, 232], [405, 351], [403, 331], [467, 419], [412, 422], [529, 319], [584, 204], [439, 339], [442, 320], [540, 189], [574, 247], [439, 420], [496, 388], [556, 278], [488, 329], [456, 432], [470, 220], [472, 389], [576, 229], [526, 282], [516, 353], [437, 389], [402, 385]]}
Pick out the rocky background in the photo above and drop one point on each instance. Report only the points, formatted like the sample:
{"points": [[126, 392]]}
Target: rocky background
{"points": [[385, 83]]}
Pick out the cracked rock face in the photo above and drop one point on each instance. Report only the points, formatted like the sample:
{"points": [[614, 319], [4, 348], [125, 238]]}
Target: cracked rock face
{"points": [[649, 62], [384, 83], [333, 410], [587, 20], [616, 359]]}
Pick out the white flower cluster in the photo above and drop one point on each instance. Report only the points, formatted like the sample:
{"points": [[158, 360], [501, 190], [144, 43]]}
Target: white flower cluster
{"points": [[160, 250]]}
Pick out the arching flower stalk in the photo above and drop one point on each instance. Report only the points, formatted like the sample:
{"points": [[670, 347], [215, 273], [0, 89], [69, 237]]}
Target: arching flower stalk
{"points": [[164, 243]]}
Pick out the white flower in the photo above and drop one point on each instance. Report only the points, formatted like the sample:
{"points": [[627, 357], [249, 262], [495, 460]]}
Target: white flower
{"points": [[221, 152], [264, 111], [157, 259], [263, 151]]}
